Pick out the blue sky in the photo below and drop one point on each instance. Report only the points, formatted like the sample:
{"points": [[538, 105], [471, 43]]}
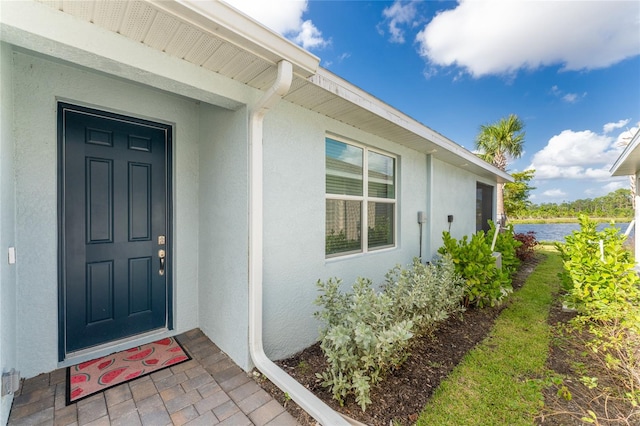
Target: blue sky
{"points": [[569, 69]]}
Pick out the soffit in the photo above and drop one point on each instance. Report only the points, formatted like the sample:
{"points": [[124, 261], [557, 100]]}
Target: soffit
{"points": [[179, 31]]}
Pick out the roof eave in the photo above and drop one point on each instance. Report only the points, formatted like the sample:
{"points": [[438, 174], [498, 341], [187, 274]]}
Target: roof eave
{"points": [[226, 22], [629, 161], [351, 93]]}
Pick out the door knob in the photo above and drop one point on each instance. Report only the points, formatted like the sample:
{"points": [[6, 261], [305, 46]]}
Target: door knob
{"points": [[161, 255]]}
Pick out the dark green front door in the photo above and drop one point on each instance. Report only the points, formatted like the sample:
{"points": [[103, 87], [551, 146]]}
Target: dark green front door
{"points": [[115, 260]]}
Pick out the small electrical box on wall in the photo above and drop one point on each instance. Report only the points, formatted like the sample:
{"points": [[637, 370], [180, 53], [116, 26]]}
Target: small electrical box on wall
{"points": [[10, 382], [422, 217], [450, 218]]}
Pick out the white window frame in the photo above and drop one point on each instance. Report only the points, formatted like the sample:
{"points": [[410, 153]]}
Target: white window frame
{"points": [[365, 199]]}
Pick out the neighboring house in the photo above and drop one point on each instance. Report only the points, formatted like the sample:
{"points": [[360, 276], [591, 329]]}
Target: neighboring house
{"points": [[628, 164], [172, 165]]}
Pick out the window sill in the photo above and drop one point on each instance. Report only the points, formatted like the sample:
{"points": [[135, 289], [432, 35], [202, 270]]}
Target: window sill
{"points": [[351, 256]]}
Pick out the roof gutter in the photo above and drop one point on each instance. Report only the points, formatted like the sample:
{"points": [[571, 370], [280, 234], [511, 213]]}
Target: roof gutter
{"points": [[301, 395]]}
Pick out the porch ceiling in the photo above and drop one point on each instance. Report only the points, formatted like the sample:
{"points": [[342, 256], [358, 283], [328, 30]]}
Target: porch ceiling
{"points": [[243, 50]]}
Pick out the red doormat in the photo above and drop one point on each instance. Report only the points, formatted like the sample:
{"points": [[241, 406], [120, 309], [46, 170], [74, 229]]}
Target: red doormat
{"points": [[97, 375]]}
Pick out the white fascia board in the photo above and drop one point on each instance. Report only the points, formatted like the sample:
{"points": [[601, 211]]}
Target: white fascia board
{"points": [[342, 88], [224, 21], [41, 29], [629, 161]]}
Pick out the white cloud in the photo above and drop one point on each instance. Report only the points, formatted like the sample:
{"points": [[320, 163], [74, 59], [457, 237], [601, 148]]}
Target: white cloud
{"points": [[609, 127], [576, 155], [344, 56], [554, 193], [571, 98], [571, 148], [397, 15], [614, 186], [501, 37], [339, 59], [310, 37], [284, 17], [625, 137], [547, 171]]}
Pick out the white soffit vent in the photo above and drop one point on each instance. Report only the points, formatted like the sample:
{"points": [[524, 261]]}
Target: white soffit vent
{"points": [[108, 15], [81, 9], [162, 32], [137, 21], [183, 40], [158, 26], [207, 46]]}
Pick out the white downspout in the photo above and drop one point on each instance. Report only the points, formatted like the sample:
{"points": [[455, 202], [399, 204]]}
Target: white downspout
{"points": [[301, 395]]}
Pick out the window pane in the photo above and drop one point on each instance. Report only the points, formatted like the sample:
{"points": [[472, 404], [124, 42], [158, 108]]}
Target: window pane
{"points": [[381, 175], [344, 168], [380, 218], [343, 227]]}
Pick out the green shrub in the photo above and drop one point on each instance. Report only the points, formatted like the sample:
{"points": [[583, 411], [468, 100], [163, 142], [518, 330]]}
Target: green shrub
{"points": [[485, 284], [602, 284], [507, 245], [599, 273], [367, 333]]}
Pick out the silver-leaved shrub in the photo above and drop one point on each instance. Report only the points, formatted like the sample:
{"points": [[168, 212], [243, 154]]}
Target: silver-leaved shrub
{"points": [[425, 294], [367, 333]]}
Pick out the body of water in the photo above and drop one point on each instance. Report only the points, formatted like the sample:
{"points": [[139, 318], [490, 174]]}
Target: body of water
{"points": [[557, 231]]}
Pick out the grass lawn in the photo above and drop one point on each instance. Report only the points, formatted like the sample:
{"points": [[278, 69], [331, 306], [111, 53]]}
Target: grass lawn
{"points": [[492, 385]]}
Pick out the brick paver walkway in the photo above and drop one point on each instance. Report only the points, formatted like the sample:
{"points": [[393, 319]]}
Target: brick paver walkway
{"points": [[208, 390]]}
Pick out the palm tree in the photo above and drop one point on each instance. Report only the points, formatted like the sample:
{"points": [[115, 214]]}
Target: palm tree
{"points": [[496, 143]]}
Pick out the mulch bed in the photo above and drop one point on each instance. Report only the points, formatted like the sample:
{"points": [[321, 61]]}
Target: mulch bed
{"points": [[566, 404], [403, 393], [400, 398]]}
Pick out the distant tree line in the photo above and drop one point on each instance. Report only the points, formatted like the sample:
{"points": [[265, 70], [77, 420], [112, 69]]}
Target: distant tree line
{"points": [[503, 140], [616, 204]]}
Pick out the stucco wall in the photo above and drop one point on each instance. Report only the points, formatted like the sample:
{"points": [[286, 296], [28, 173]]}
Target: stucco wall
{"points": [[294, 233], [210, 211], [223, 273], [38, 84], [7, 226], [453, 193]]}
